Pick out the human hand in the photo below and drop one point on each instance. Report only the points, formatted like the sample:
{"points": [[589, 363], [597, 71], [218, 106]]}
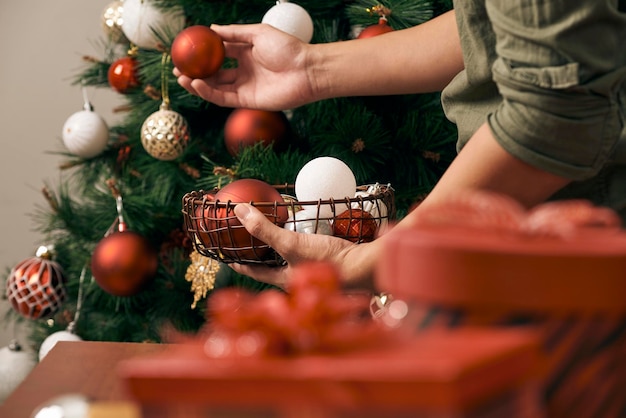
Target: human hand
{"points": [[271, 71], [354, 261]]}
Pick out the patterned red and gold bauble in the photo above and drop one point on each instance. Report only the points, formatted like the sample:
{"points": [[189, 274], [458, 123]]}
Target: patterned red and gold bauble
{"points": [[355, 225], [198, 51], [124, 262], [35, 287], [246, 127], [224, 230], [381, 27], [123, 75]]}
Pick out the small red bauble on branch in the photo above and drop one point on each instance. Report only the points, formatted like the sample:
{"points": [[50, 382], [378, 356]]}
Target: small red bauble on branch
{"points": [[198, 51], [355, 225], [123, 263], [35, 287], [375, 30], [246, 127], [123, 74], [219, 227]]}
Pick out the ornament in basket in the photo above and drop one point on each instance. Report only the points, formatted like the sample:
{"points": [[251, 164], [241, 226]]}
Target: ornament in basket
{"points": [[216, 232]]}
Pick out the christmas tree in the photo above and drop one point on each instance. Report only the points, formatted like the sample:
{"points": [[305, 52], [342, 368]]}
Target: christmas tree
{"points": [[121, 187]]}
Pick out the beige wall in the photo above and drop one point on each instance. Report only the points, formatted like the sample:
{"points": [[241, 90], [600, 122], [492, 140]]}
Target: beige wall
{"points": [[42, 43]]}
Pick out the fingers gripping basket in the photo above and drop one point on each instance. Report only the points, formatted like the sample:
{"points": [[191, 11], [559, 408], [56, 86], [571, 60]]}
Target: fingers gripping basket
{"points": [[217, 233]]}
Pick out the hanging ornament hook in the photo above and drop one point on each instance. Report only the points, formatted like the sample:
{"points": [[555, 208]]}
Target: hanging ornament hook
{"points": [[165, 60], [71, 327], [86, 103], [119, 222], [379, 10], [120, 209]]}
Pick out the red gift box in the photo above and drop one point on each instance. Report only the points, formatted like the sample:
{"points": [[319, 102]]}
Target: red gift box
{"points": [[559, 269], [469, 373]]}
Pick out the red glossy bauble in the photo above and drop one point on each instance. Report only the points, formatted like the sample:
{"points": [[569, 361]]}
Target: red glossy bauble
{"points": [[223, 229], [355, 225], [198, 51], [123, 75], [246, 127], [375, 30], [35, 287], [123, 263]]}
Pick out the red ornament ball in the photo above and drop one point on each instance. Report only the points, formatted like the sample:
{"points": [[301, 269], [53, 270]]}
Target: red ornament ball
{"points": [[123, 75], [246, 127], [219, 227], [198, 51], [123, 263], [35, 287], [355, 225], [375, 30]]}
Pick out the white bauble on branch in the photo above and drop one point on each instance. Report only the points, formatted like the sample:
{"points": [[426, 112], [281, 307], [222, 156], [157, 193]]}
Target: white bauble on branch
{"points": [[50, 341], [85, 133], [141, 19], [15, 365], [290, 18]]}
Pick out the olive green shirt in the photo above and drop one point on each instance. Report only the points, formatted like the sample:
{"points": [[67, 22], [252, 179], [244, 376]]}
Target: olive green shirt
{"points": [[549, 77]]}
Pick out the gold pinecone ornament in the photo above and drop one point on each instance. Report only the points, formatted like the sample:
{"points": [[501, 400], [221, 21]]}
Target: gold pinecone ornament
{"points": [[202, 273]]}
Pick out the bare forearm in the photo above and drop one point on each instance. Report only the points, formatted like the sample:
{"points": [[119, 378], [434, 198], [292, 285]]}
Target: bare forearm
{"points": [[484, 165], [416, 60]]}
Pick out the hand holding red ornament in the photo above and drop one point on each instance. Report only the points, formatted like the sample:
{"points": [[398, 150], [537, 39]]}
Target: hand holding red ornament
{"points": [[198, 52], [271, 71]]}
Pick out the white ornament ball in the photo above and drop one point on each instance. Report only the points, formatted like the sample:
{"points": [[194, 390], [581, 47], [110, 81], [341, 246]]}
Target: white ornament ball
{"points": [[85, 134], [15, 365], [141, 19], [292, 19], [326, 178], [54, 338], [306, 222]]}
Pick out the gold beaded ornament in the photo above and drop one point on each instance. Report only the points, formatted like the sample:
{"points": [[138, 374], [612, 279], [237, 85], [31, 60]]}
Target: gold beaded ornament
{"points": [[165, 133]]}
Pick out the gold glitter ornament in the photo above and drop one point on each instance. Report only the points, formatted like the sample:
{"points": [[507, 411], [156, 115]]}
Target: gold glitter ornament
{"points": [[165, 134], [112, 22], [201, 273]]}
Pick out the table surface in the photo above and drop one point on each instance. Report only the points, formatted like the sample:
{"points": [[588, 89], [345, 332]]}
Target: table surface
{"points": [[75, 367]]}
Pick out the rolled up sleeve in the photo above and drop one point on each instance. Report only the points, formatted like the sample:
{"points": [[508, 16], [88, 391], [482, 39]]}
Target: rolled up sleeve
{"points": [[560, 70]]}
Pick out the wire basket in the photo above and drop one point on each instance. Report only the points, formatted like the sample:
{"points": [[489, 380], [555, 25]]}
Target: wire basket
{"points": [[217, 233]]}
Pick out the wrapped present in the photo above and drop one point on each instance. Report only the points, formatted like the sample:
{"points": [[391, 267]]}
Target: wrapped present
{"points": [[317, 352], [466, 373], [560, 269]]}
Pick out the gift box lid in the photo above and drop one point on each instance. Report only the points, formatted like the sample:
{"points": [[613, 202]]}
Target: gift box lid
{"points": [[489, 270]]}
